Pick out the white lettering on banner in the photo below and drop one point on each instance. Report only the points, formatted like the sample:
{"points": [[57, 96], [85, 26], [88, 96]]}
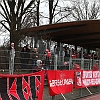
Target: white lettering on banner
{"points": [[96, 74], [89, 78], [58, 82], [87, 74], [88, 82]]}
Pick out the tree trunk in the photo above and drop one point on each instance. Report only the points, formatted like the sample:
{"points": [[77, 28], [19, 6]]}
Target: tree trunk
{"points": [[50, 11], [38, 3]]}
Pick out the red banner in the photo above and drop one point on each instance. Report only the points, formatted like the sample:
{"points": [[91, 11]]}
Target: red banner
{"points": [[87, 78], [22, 87], [60, 81]]}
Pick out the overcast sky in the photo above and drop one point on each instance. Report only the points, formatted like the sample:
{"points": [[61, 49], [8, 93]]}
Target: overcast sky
{"points": [[44, 9]]}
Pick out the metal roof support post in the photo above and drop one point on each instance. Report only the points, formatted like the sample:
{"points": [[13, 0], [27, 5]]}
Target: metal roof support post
{"points": [[82, 59], [93, 61], [59, 60], [63, 58], [70, 59]]}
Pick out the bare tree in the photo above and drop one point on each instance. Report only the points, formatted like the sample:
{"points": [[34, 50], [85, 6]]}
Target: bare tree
{"points": [[55, 10], [14, 13], [83, 10]]}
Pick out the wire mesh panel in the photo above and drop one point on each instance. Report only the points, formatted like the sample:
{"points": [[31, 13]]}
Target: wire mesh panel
{"points": [[26, 63]]}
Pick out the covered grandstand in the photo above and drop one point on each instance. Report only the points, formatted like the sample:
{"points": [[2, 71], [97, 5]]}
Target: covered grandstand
{"points": [[80, 33]]}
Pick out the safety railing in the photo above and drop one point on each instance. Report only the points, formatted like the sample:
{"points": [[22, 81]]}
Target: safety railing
{"points": [[55, 61]]}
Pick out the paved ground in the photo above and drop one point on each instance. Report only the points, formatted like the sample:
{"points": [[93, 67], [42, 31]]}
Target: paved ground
{"points": [[70, 96], [93, 97]]}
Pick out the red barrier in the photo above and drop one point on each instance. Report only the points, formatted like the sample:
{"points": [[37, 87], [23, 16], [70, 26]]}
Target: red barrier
{"points": [[60, 81], [85, 78], [22, 87], [29, 86]]}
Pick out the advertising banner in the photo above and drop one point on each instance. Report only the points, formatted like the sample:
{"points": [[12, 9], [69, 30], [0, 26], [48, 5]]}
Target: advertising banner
{"points": [[60, 81], [22, 87], [85, 78]]}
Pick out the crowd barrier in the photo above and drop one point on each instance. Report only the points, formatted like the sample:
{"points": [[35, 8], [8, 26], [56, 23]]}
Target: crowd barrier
{"points": [[31, 86], [57, 62]]}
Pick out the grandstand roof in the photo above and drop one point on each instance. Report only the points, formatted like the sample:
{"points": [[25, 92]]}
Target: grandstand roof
{"points": [[81, 33]]}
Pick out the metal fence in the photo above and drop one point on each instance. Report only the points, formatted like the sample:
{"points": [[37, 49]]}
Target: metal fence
{"points": [[12, 64], [8, 61]]}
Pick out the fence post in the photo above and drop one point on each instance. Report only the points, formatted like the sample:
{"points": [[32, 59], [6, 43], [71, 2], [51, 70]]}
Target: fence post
{"points": [[55, 68], [82, 66], [11, 61], [90, 63], [98, 87], [53, 97], [55, 61], [80, 92]]}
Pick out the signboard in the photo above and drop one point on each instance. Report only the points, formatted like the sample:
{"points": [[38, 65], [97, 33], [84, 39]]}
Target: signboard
{"points": [[60, 82], [87, 78]]}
